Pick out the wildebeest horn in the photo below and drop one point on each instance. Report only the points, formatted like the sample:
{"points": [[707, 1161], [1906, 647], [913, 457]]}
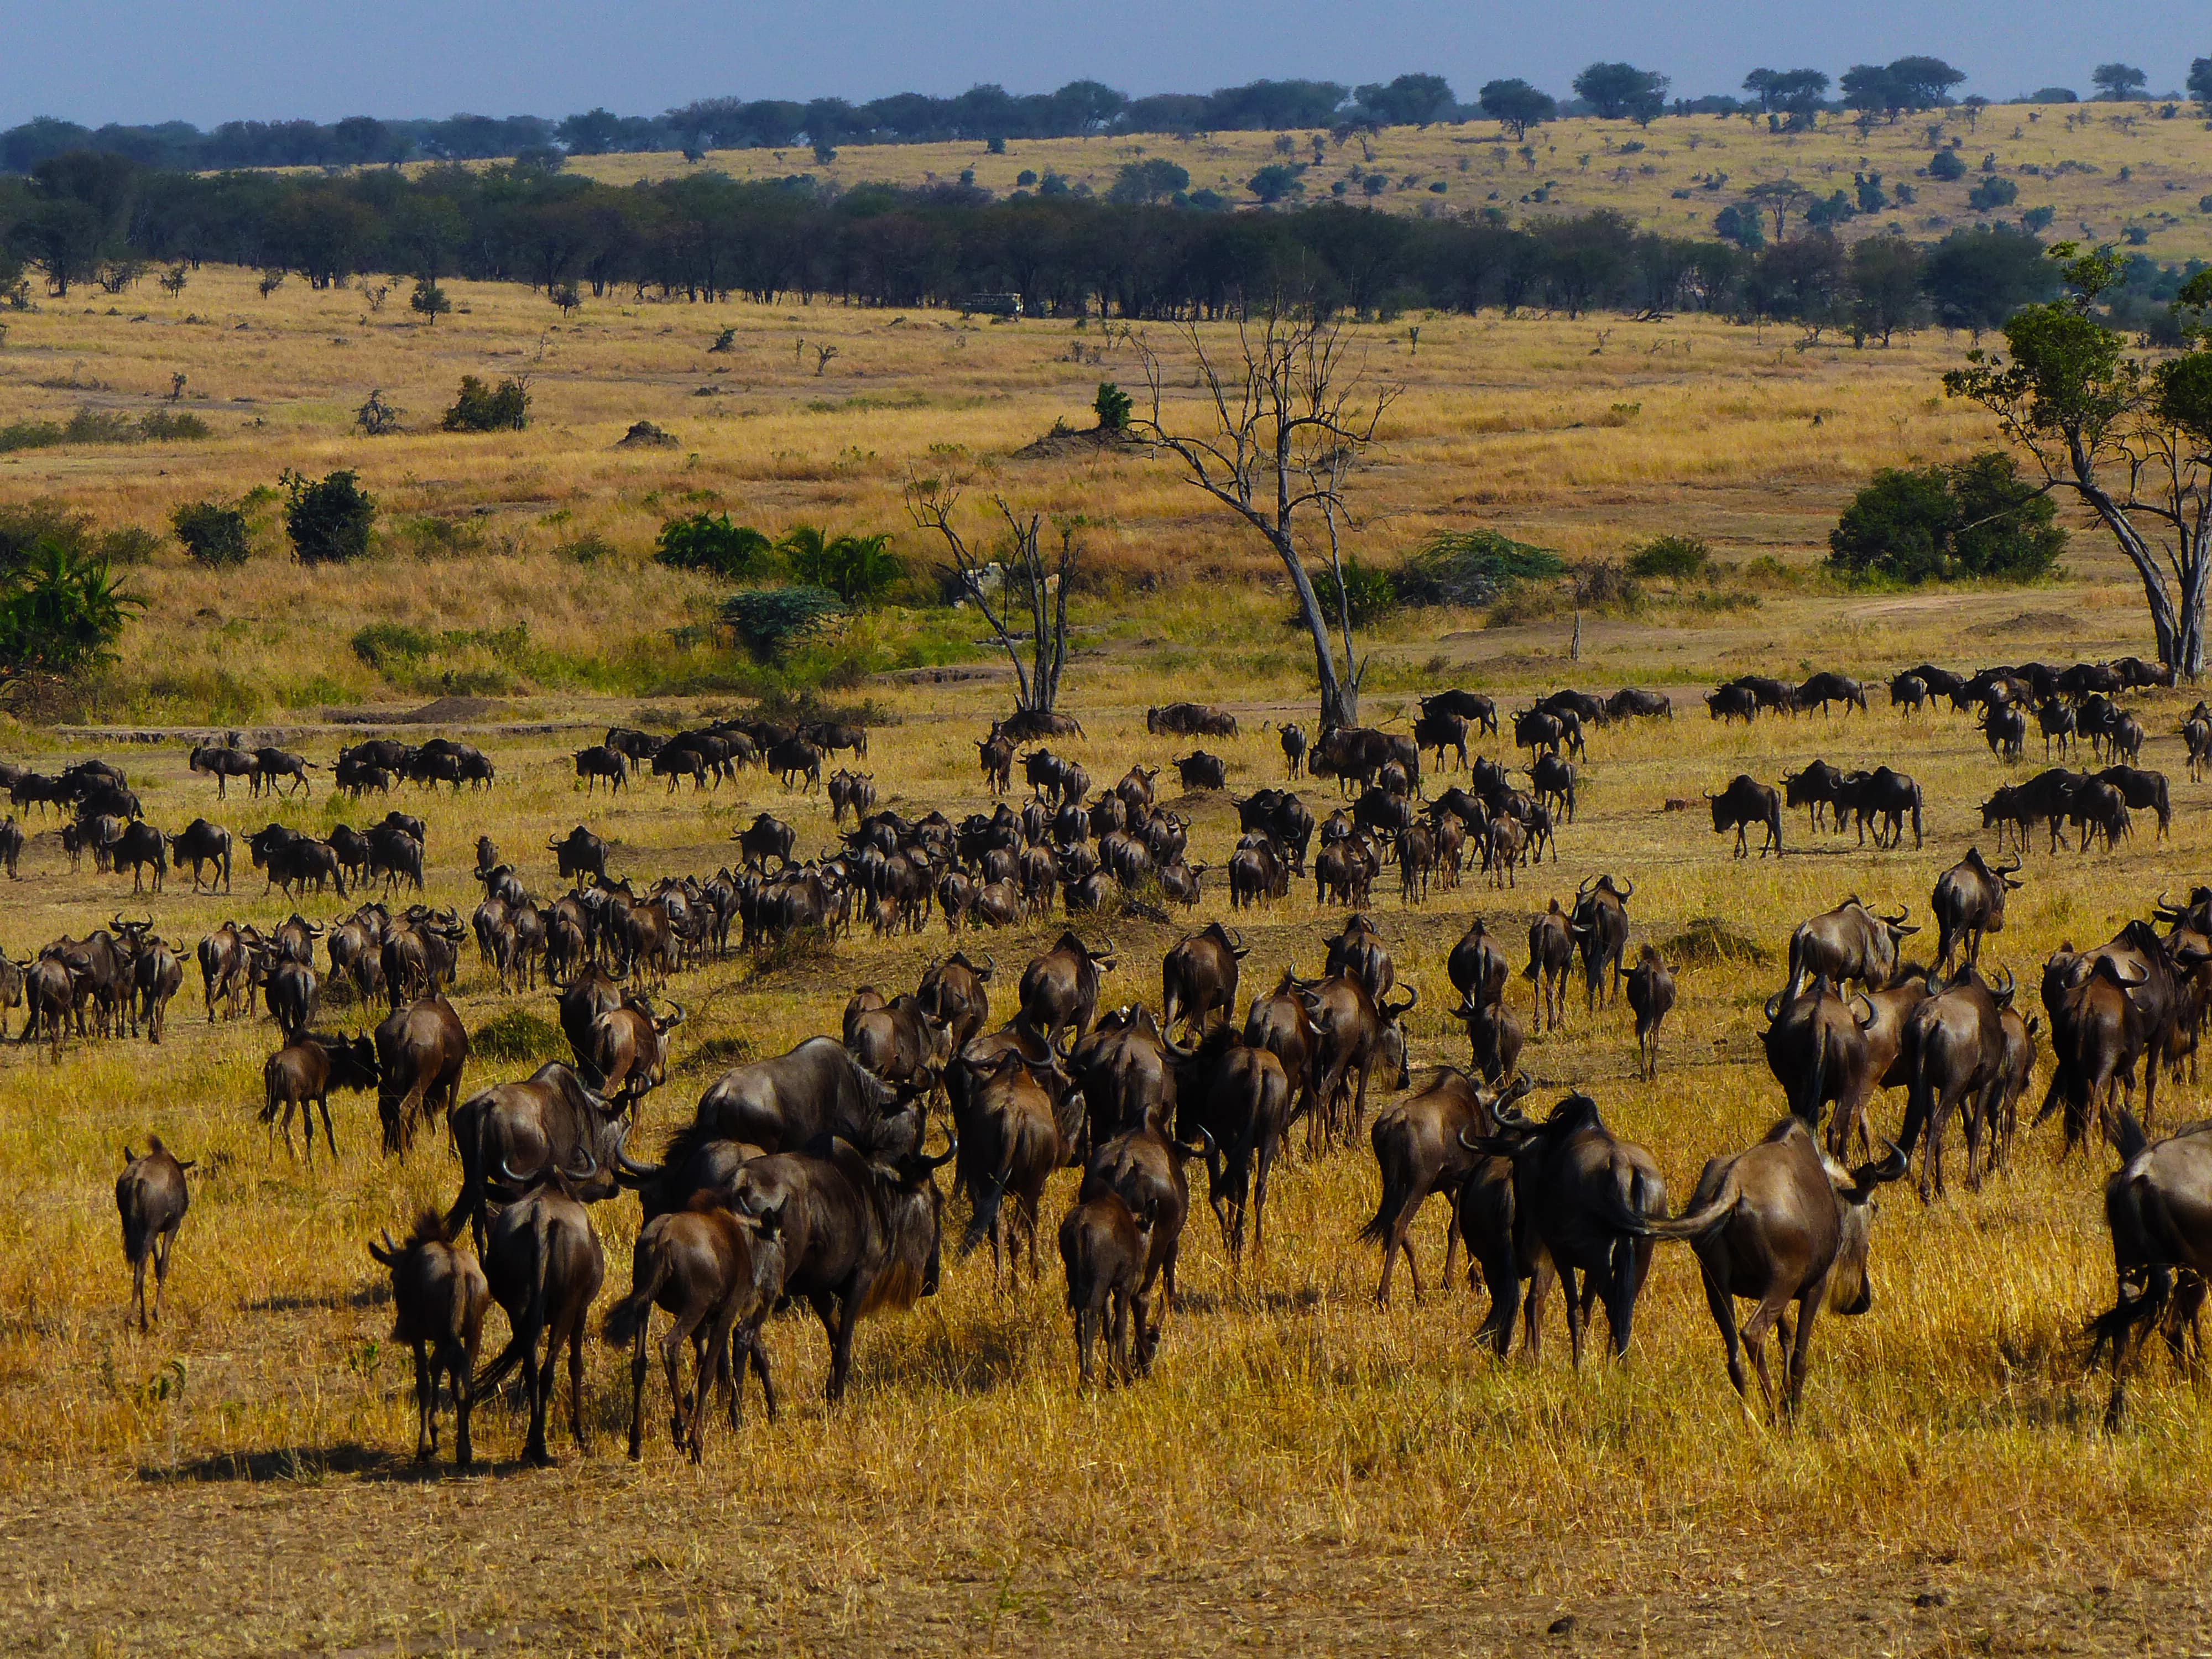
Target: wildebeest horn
{"points": [[673, 1020], [2012, 985], [507, 1173], [1631, 893], [589, 1168], [1857, 998], [1773, 1007], [952, 1150]]}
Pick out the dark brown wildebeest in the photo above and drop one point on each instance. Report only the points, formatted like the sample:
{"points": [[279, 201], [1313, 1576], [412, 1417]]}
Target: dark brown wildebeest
{"points": [[2196, 738], [1354, 1034], [1010, 1144], [226, 961], [439, 1298], [1746, 802], [1201, 770], [2158, 1205], [1552, 780], [594, 992], [1439, 729], [1198, 977], [11, 844], [601, 762], [420, 1051], [1468, 705], [151, 1198], [139, 848], [1184, 720], [861, 1232], [1600, 925], [1849, 943], [1954, 1052], [1732, 702], [1589, 1192], [1103, 1248], [1257, 871], [2145, 792], [626, 1048], [1358, 952], [222, 762], [814, 1089], [543, 1265], [1419, 1151], [300, 1076], [1293, 739], [851, 792], [1476, 966], [952, 992], [900, 1042], [1059, 989], [1819, 788], [1778, 695], [513, 1134], [765, 838], [202, 843], [1494, 1037], [272, 764], [719, 1277], [1236, 1098], [1909, 692], [1122, 1073], [995, 754], [1827, 686], [580, 853], [1968, 903], [1146, 1168], [1551, 953], [1778, 1224], [2099, 1032], [1631, 701], [1650, 998], [2005, 728], [1279, 1023], [2097, 809]]}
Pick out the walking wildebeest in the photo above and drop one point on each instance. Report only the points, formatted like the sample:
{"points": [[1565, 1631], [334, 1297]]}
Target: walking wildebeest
{"points": [[439, 1298], [151, 1197]]}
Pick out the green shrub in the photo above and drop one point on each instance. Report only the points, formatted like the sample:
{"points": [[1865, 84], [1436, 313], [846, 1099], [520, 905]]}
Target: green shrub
{"points": [[1975, 517], [709, 542], [1602, 584], [103, 426], [1370, 594], [213, 534], [1112, 406], [60, 612], [769, 621], [1946, 164], [1991, 194], [858, 569], [327, 518], [1670, 558], [589, 549], [25, 526], [432, 537], [1471, 568], [480, 408], [128, 543]]}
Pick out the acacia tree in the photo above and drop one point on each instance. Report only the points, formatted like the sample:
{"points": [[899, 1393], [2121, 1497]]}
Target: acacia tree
{"points": [[1021, 575], [1286, 418], [2131, 440]]}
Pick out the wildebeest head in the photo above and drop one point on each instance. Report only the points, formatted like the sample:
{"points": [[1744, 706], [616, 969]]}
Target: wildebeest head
{"points": [[1851, 1286]]}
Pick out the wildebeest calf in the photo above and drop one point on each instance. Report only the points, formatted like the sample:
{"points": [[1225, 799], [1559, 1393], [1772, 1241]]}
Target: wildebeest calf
{"points": [[439, 1296], [544, 1264], [151, 1198], [1104, 1245]]}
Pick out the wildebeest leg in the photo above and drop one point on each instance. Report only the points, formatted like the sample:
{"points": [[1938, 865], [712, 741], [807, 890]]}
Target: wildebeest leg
{"points": [[839, 1330], [758, 1349], [1267, 1162], [330, 1137], [1569, 1284], [1722, 1304], [573, 1334], [426, 1403], [138, 1286], [162, 1244], [459, 1358], [638, 1367], [712, 1363], [1624, 1279], [539, 1381], [1756, 1329], [1087, 1332]]}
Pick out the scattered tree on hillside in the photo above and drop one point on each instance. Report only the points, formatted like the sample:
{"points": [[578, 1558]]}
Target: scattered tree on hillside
{"points": [[1519, 106], [1285, 420], [1787, 92], [2200, 83], [2117, 82], [1618, 91], [1891, 89], [2131, 440], [1153, 179], [1410, 101], [1020, 575]]}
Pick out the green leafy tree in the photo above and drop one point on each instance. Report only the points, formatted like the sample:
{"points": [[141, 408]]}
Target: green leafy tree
{"points": [[60, 613], [1788, 92], [480, 408], [329, 519], [768, 622], [1978, 517], [1112, 406], [1886, 273], [2117, 82], [213, 534], [429, 300], [1276, 182], [1907, 83], [858, 569], [1152, 180], [1518, 105], [1945, 164], [1622, 91], [1979, 277], [1990, 194], [710, 543], [2131, 440], [2200, 83], [1670, 558]]}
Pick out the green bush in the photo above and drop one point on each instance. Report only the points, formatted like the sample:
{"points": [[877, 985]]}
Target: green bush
{"points": [[858, 569], [327, 518], [769, 621], [1975, 517], [589, 549], [60, 612], [1670, 558], [480, 408], [1471, 568], [1112, 406], [25, 526], [128, 543], [709, 542], [103, 426], [1370, 594], [1991, 194], [1946, 164]]}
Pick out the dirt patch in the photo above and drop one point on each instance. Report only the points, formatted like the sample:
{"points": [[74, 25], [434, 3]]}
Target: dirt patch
{"points": [[1063, 442], [644, 434]]}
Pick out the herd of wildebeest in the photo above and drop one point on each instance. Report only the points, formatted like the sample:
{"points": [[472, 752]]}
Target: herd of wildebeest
{"points": [[808, 1177]]}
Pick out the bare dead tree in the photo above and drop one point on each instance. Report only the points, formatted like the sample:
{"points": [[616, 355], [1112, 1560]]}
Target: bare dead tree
{"points": [[1024, 576], [1286, 418]]}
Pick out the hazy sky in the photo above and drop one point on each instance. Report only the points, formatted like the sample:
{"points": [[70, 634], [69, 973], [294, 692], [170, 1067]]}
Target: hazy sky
{"points": [[134, 60]]}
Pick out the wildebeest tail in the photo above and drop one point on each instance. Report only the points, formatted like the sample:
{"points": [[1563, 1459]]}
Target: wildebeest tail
{"points": [[522, 1344], [2128, 1136], [984, 1206], [1695, 1222]]}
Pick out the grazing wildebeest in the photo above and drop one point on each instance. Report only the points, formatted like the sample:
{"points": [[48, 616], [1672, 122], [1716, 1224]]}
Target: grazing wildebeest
{"points": [[2158, 1205], [1779, 1224], [150, 1197], [1418, 1150], [439, 1298], [1650, 996], [1600, 925], [1969, 902], [601, 762], [1850, 942], [2145, 792], [1103, 1248], [300, 1076], [861, 1231], [717, 1275], [1732, 702], [544, 1264], [1746, 802], [1827, 687], [1909, 692], [1551, 953], [1197, 977], [1631, 701], [1589, 1194], [1201, 770], [1819, 788]]}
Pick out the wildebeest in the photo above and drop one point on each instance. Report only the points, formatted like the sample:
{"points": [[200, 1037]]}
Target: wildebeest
{"points": [[1650, 996], [139, 848], [1883, 794], [222, 761], [1059, 989], [954, 993], [1103, 1249], [1600, 925], [1468, 705], [1293, 739], [1732, 702], [1591, 1194], [300, 1076], [1476, 966], [718, 1277], [1199, 770], [544, 1264], [601, 762], [1551, 953], [420, 1051], [1633, 701], [1955, 1052], [2109, 1008], [1353, 1033], [1419, 1150], [151, 1198], [815, 1088], [1850, 942], [2142, 791], [439, 1298], [1010, 1143], [861, 1231], [765, 838], [1198, 977], [202, 843], [1827, 687], [2158, 1205], [851, 792], [2006, 729], [1746, 802], [1908, 692], [1188, 720], [580, 853], [1779, 1224], [1438, 729], [1968, 903], [995, 754]]}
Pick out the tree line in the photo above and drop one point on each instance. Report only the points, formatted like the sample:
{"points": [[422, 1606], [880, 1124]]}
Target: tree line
{"points": [[86, 219]]}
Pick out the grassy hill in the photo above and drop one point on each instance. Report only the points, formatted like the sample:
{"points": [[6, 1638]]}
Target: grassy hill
{"points": [[2103, 169]]}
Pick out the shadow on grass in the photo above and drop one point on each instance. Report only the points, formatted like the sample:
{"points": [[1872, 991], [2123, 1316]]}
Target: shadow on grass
{"points": [[311, 1466]]}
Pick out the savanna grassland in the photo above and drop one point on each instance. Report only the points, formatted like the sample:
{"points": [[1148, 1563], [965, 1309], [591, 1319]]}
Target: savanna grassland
{"points": [[2100, 168], [1302, 1470]]}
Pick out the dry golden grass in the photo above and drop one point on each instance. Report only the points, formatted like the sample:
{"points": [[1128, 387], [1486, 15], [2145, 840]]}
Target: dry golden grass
{"points": [[2168, 163], [1302, 1469]]}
